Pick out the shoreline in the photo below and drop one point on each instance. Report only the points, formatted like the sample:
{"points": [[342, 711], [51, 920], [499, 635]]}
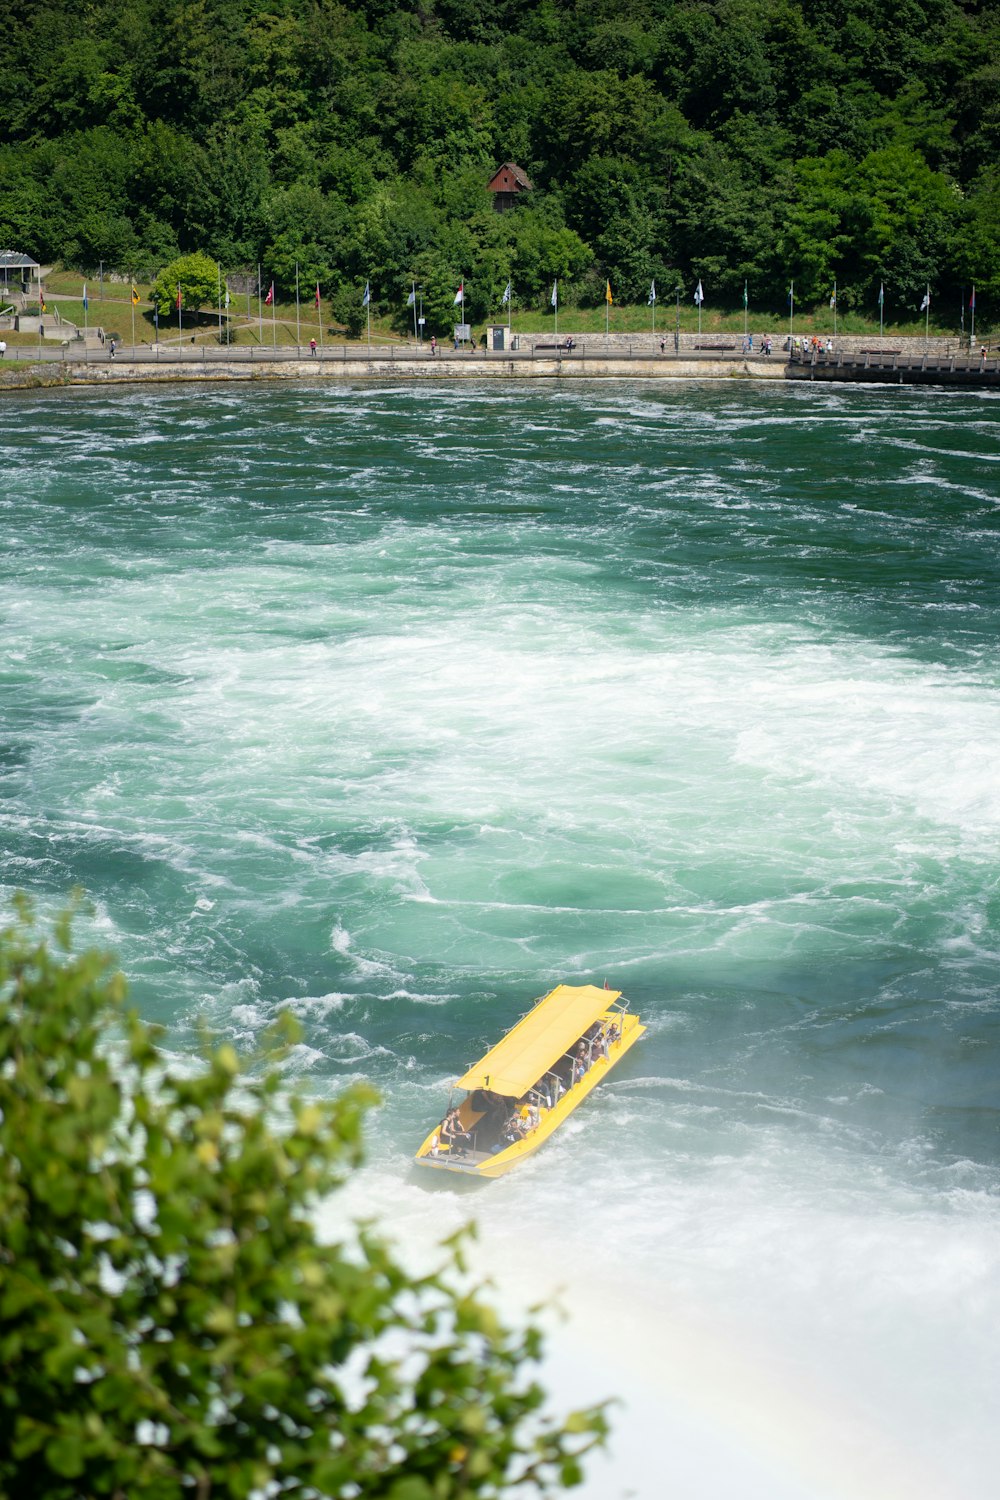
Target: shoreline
{"points": [[149, 366]]}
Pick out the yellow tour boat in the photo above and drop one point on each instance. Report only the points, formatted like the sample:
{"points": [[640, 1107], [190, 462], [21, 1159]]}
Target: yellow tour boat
{"points": [[532, 1080]]}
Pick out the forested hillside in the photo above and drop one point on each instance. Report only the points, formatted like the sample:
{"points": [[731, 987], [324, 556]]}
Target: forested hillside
{"points": [[727, 140]]}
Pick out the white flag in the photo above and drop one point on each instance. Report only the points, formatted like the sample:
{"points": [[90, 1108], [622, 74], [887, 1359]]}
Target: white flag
{"points": [[554, 299], [652, 294], [367, 297], [411, 300], [699, 295], [227, 294], [506, 295], [927, 300]]}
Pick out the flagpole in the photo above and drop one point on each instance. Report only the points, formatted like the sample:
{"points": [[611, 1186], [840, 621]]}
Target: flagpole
{"points": [[881, 309], [791, 311], [972, 309], [927, 316], [131, 289], [218, 275], [260, 311], [298, 321], [319, 315], [652, 303], [180, 316], [413, 295], [835, 308], [555, 303], [746, 314], [85, 315], [607, 314], [274, 325]]}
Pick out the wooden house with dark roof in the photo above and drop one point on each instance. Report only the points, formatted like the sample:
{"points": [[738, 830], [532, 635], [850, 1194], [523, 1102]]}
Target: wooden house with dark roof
{"points": [[506, 185]]}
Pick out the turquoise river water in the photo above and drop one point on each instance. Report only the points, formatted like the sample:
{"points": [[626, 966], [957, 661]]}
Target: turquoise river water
{"points": [[397, 706]]}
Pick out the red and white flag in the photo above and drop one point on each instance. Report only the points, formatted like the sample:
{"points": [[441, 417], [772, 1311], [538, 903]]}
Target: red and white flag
{"points": [[180, 298], [317, 294], [460, 295], [270, 295]]}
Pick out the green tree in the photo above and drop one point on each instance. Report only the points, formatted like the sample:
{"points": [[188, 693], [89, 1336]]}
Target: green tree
{"points": [[196, 275], [169, 1323]]}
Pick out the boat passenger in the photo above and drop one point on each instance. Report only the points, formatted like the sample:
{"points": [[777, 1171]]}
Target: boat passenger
{"points": [[452, 1130], [581, 1062]]}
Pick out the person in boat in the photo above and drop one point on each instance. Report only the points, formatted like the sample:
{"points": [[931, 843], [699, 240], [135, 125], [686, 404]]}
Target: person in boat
{"points": [[581, 1061], [453, 1133]]}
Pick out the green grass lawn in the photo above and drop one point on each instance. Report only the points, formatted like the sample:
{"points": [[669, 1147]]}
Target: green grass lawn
{"points": [[110, 308]]}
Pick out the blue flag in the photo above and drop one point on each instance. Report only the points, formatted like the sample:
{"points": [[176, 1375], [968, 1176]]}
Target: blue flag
{"points": [[86, 304]]}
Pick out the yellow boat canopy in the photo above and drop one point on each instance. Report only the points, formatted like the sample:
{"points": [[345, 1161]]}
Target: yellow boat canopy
{"points": [[539, 1039]]}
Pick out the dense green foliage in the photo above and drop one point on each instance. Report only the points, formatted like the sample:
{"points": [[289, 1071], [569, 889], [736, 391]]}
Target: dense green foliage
{"points": [[731, 140], [170, 1324]]}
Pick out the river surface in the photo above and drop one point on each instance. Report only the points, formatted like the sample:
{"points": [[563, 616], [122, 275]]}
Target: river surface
{"points": [[398, 706]]}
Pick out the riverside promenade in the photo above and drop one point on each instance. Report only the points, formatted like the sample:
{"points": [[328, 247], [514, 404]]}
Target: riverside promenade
{"points": [[590, 357]]}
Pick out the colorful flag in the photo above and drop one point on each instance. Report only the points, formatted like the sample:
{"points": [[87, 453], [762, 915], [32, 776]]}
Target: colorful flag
{"points": [[367, 296], [927, 300], [745, 299], [86, 304], [506, 295], [607, 293], [972, 300], [226, 302], [180, 298], [268, 300], [791, 296], [41, 299], [460, 294], [554, 299], [699, 295], [135, 296], [317, 296], [833, 300], [651, 299]]}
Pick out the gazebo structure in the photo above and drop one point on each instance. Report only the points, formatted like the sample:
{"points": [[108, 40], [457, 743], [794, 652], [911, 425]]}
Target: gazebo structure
{"points": [[506, 184], [14, 265]]}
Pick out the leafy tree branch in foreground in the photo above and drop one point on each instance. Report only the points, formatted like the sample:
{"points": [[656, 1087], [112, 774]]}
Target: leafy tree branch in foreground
{"points": [[170, 1324]]}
